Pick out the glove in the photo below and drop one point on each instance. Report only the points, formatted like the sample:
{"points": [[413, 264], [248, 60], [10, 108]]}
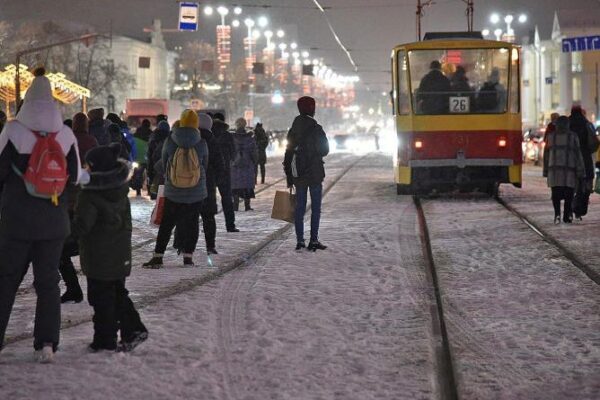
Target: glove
{"points": [[290, 182], [84, 177]]}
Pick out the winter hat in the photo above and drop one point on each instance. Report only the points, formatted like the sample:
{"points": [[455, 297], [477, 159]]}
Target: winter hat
{"points": [[189, 119], [68, 122], [114, 131], [163, 126], [96, 113], [205, 121], [240, 123], [562, 123], [103, 158], [307, 105], [219, 116], [39, 111], [81, 123], [114, 118]]}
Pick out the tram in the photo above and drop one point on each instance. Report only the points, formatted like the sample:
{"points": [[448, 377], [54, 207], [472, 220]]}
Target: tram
{"points": [[456, 100]]}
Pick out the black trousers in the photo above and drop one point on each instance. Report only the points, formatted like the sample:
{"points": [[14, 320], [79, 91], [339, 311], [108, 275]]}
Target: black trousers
{"points": [[262, 172], [113, 311], [562, 193], [209, 225], [186, 217], [44, 256], [68, 273], [227, 202]]}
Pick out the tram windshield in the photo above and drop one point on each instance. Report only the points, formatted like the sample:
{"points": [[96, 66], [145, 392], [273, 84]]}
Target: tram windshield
{"points": [[459, 81]]}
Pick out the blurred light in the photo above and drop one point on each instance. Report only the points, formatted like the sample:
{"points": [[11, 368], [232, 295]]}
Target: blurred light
{"points": [[502, 142], [263, 21], [280, 33], [509, 19], [277, 98], [418, 144], [305, 54], [135, 165], [294, 45], [223, 10], [384, 94], [485, 32], [256, 34], [315, 62], [307, 62], [296, 54], [494, 18], [498, 33], [235, 23], [249, 22], [522, 18], [282, 46], [208, 10], [237, 10], [268, 34]]}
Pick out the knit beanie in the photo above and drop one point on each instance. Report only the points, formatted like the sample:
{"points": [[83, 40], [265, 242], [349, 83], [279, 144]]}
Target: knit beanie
{"points": [[114, 131], [189, 119], [80, 123], [163, 126], [205, 121], [103, 158], [39, 111], [307, 105]]}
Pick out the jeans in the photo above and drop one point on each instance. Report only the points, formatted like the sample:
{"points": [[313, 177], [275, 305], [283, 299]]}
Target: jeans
{"points": [[186, 216], [316, 196]]}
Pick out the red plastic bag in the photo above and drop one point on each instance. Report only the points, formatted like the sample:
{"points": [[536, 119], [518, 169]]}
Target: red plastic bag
{"points": [[159, 207]]}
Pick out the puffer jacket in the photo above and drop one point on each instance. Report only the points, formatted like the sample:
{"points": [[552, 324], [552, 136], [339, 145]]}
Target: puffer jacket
{"points": [[214, 170], [563, 162], [244, 161]]}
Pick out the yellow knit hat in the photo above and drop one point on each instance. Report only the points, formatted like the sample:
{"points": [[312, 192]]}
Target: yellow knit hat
{"points": [[189, 119]]}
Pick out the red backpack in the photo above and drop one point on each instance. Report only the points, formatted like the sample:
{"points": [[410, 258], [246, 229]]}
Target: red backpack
{"points": [[46, 175]]}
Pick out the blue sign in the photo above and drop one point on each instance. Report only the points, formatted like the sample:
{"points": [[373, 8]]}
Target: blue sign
{"points": [[188, 16], [583, 43]]}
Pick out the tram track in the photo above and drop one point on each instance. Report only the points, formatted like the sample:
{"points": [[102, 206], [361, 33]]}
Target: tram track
{"points": [[446, 377], [207, 276]]}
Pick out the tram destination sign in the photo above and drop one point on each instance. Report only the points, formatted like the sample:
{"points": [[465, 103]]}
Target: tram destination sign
{"points": [[188, 16], [582, 43]]}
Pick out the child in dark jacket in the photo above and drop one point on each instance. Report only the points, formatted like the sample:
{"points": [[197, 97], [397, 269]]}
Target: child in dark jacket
{"points": [[102, 224]]}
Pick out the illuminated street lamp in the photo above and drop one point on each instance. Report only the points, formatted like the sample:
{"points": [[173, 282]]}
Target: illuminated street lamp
{"points": [[294, 46], [498, 34], [280, 33], [223, 11], [485, 32], [305, 54], [495, 18], [509, 35], [235, 23], [268, 36], [208, 10], [263, 21], [237, 10]]}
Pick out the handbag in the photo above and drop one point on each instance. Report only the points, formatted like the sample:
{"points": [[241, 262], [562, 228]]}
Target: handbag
{"points": [[284, 206], [159, 207]]}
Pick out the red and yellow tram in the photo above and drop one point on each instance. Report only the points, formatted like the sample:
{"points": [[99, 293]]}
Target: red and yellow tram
{"points": [[457, 109]]}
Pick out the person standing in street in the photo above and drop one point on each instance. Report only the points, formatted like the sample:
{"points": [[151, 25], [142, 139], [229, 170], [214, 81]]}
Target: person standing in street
{"points": [[98, 126], [243, 166], [33, 229], [262, 142], [154, 157], [563, 166], [304, 168], [588, 143], [224, 140], [185, 160]]}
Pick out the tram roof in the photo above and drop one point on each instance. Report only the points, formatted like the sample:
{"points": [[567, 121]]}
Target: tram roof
{"points": [[455, 44]]}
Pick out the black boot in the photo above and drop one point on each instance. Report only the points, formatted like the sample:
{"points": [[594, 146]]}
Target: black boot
{"points": [[315, 245], [247, 205], [69, 275], [236, 203], [155, 262]]}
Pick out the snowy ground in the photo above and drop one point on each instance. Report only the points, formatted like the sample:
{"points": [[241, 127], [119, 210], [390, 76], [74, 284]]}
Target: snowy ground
{"points": [[353, 322]]}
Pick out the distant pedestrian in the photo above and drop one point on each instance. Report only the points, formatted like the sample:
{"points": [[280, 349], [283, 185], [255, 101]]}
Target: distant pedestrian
{"points": [[33, 229], [303, 166], [85, 142], [98, 126], [154, 157], [224, 140], [243, 166], [116, 136], [144, 131], [588, 144], [551, 127], [563, 166], [185, 161], [262, 142], [139, 170], [102, 223]]}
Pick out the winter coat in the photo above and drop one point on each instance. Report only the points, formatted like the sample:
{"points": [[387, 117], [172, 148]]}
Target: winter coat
{"points": [[213, 172], [154, 152], [244, 162], [224, 140], [102, 225], [131, 143], [563, 162], [144, 132], [307, 132], [262, 142], [99, 131], [24, 217], [187, 138], [432, 93], [587, 141]]}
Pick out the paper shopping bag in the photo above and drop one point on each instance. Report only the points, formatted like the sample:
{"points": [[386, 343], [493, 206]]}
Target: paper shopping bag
{"points": [[159, 207], [284, 206]]}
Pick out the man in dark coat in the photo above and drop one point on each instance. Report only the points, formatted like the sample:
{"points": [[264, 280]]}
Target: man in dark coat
{"points": [[224, 141], [588, 144], [154, 156], [433, 91], [98, 126], [303, 167], [33, 229], [262, 142], [102, 223]]}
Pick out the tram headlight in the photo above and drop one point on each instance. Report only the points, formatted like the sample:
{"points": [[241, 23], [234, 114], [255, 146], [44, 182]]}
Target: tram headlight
{"points": [[418, 144], [502, 142]]}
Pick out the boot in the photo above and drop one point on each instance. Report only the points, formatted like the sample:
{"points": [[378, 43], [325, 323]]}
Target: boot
{"points": [[236, 203], [72, 295], [155, 262], [315, 245], [247, 205]]}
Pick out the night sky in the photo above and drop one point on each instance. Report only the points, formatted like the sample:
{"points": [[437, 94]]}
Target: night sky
{"points": [[369, 28]]}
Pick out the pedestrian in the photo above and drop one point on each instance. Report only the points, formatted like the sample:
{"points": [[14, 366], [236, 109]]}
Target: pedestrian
{"points": [[33, 229], [224, 141], [563, 166], [243, 166], [102, 224], [154, 157], [98, 126], [588, 144], [85, 142], [116, 136], [140, 162], [262, 142], [304, 169], [144, 130], [185, 160], [551, 127]]}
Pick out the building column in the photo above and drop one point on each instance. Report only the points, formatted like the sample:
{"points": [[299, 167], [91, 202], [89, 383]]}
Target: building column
{"points": [[566, 83]]}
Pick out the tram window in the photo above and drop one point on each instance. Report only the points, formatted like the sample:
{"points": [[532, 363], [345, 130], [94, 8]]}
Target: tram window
{"points": [[515, 93], [403, 92], [459, 81]]}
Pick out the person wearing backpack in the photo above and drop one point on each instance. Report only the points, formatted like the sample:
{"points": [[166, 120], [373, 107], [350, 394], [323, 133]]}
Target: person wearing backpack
{"points": [[243, 166], [38, 156], [185, 161], [304, 168]]}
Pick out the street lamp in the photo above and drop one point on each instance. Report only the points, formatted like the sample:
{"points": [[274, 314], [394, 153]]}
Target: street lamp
{"points": [[495, 18], [235, 23], [498, 34], [485, 32], [268, 36], [208, 10], [522, 18], [263, 21], [280, 33], [294, 46], [237, 10], [256, 34], [223, 11], [305, 54]]}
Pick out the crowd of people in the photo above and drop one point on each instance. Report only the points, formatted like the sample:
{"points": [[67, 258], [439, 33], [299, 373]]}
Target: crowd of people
{"points": [[570, 146], [65, 185]]}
